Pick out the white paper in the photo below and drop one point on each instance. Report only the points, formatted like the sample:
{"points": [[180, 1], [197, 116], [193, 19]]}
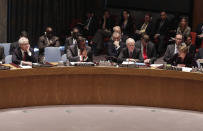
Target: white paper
{"points": [[25, 67], [186, 69], [128, 63]]}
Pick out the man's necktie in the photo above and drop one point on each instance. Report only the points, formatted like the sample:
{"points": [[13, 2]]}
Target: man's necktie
{"points": [[145, 53], [24, 57], [131, 55]]}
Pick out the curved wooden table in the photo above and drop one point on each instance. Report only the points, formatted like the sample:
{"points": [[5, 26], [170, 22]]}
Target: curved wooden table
{"points": [[101, 85]]}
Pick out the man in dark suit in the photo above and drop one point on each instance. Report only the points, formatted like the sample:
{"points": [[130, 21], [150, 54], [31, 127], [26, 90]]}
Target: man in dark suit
{"points": [[199, 34], [115, 45], [147, 27], [147, 48], [130, 53], [106, 27], [47, 40], [15, 45], [80, 52], [191, 47], [72, 40], [161, 31], [173, 48], [90, 24], [24, 55]]}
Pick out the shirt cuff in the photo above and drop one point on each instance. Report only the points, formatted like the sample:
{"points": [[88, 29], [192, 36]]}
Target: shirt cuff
{"points": [[117, 47], [29, 53]]}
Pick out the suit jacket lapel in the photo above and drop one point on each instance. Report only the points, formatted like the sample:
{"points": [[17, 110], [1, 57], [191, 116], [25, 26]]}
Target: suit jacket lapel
{"points": [[20, 55]]}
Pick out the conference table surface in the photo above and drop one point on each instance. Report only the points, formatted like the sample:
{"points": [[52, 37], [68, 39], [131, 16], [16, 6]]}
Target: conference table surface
{"points": [[101, 86]]}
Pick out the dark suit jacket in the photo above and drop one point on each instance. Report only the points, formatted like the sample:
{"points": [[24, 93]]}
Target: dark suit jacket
{"points": [[128, 30], [42, 43], [13, 46], [163, 30], [199, 27], [93, 26], [169, 53], [200, 54], [189, 60], [192, 50], [151, 51], [124, 54], [2, 55], [110, 23], [112, 51], [68, 42], [72, 54], [17, 56], [149, 30]]}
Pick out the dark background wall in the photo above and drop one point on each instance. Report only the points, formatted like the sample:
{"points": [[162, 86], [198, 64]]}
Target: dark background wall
{"points": [[3, 20], [197, 13], [181, 6]]}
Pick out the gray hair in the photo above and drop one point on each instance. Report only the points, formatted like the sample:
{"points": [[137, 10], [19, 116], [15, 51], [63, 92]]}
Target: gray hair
{"points": [[23, 40], [130, 40]]}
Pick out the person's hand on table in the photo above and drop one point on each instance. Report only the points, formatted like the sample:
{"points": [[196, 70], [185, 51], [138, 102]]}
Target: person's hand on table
{"points": [[181, 65], [147, 61], [26, 63]]}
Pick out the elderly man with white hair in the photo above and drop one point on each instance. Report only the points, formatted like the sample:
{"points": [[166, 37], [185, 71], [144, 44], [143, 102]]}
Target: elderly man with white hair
{"points": [[24, 55], [130, 53]]}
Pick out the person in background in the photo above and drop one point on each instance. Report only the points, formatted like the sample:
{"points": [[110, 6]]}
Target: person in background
{"points": [[183, 28], [24, 55], [115, 45], [199, 32], [161, 32], [147, 27], [191, 47], [15, 45], [72, 40], [130, 53], [126, 23], [118, 29], [148, 51], [47, 40], [80, 52], [183, 58], [106, 26], [173, 48], [90, 24]]}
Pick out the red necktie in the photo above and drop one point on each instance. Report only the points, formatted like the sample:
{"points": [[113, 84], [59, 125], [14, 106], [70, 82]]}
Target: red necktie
{"points": [[24, 57], [145, 53], [131, 55]]}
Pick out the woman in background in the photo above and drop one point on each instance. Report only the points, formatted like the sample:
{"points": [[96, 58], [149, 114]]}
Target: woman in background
{"points": [[183, 27], [126, 23]]}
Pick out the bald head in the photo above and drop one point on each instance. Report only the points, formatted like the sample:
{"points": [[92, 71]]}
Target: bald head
{"points": [[117, 29]]}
